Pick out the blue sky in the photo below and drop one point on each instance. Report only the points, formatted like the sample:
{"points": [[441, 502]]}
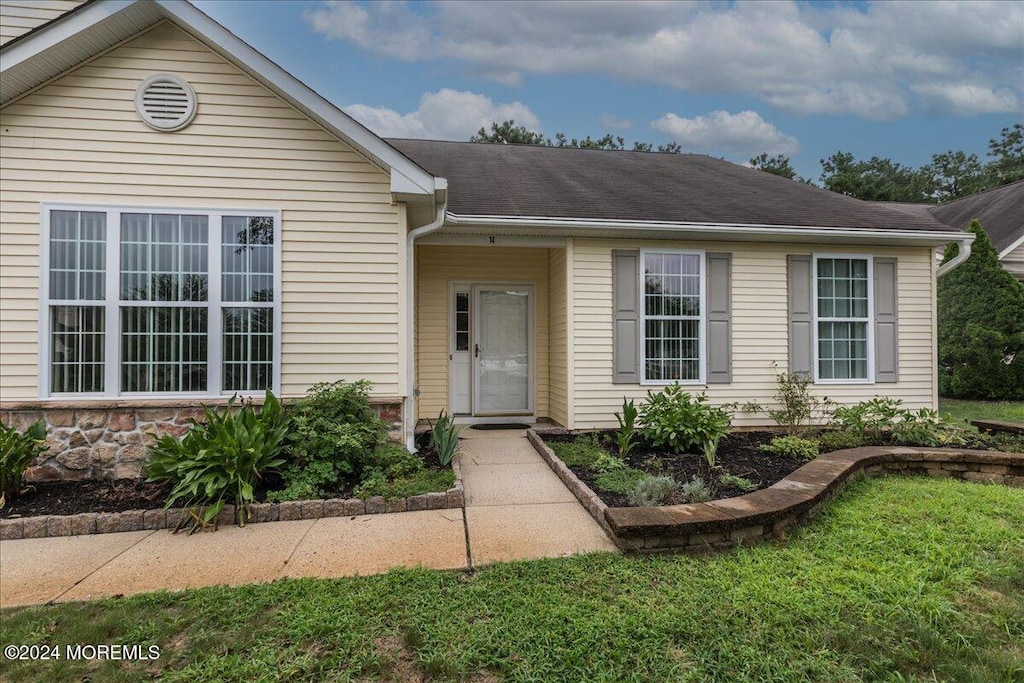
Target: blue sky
{"points": [[902, 80]]}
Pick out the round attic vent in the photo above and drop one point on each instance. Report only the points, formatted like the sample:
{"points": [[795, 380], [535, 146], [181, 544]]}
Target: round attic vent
{"points": [[166, 102]]}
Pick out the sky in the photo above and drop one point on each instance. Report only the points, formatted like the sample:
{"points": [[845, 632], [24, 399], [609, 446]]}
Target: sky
{"points": [[903, 80]]}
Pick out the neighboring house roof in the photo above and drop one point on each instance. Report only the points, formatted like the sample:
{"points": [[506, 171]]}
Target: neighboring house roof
{"points": [[999, 210], [73, 38], [537, 181]]}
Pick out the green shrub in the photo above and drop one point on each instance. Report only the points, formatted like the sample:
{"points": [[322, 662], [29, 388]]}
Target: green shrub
{"points": [[797, 408], [625, 437], [981, 327], [606, 462], [333, 436], [219, 460], [872, 419], [653, 490], [18, 450], [619, 481], [579, 453], [673, 418], [413, 484], [735, 481], [926, 428], [792, 447], [839, 440], [444, 438], [695, 490]]}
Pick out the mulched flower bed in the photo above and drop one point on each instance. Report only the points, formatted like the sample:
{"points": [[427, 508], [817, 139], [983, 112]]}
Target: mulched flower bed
{"points": [[119, 495], [739, 454]]}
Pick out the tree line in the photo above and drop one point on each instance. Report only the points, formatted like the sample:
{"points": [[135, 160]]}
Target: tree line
{"points": [[949, 175]]}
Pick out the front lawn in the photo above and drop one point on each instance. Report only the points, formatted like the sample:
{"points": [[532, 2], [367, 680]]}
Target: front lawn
{"points": [[1009, 411], [899, 579]]}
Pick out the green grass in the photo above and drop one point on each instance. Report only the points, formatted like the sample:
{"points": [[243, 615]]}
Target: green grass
{"points": [[422, 481], [1010, 411], [900, 579], [620, 481], [577, 453]]}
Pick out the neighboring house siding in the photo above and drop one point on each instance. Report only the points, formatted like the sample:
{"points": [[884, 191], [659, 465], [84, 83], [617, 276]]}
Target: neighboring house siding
{"points": [[18, 17], [439, 266], [79, 139], [759, 328], [1014, 262], [558, 375]]}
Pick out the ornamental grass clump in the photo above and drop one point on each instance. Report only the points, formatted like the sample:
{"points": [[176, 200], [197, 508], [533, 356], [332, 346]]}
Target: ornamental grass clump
{"points": [[444, 438], [18, 450], [219, 461]]}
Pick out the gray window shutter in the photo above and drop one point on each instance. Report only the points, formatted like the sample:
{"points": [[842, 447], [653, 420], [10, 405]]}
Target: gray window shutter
{"points": [[798, 269], [719, 298], [626, 316], [886, 339]]}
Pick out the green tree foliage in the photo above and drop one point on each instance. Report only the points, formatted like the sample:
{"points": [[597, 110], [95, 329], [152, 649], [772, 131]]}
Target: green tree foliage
{"points": [[956, 174], [1008, 152], [878, 180], [508, 133], [777, 165], [981, 327]]}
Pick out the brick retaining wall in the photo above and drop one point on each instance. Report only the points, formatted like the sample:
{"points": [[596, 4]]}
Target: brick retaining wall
{"points": [[771, 512]]}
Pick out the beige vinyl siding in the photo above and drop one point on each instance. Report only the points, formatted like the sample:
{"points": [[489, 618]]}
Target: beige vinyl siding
{"points": [[79, 139], [18, 17], [436, 268], [759, 328], [558, 344]]}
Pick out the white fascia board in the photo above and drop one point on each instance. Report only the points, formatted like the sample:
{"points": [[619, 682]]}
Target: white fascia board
{"points": [[1013, 245], [297, 93], [64, 28], [731, 231]]}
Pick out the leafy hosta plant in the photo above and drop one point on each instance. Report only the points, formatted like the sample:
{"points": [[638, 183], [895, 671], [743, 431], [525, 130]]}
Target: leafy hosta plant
{"points": [[673, 418], [219, 461], [17, 451]]}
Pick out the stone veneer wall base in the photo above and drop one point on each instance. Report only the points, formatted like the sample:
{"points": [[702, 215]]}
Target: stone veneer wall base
{"points": [[771, 512]]}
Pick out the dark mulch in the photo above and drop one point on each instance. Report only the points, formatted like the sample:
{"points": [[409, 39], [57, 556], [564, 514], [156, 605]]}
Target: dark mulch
{"points": [[74, 497], [739, 454]]}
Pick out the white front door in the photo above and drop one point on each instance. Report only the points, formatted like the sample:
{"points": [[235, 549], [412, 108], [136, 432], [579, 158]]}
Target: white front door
{"points": [[502, 341], [459, 355]]}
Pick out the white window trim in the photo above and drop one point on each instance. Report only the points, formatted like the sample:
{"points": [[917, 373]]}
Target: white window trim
{"points": [[870, 379], [701, 321], [112, 306]]}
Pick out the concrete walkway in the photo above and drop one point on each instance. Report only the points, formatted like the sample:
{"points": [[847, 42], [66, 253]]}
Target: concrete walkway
{"points": [[516, 508]]}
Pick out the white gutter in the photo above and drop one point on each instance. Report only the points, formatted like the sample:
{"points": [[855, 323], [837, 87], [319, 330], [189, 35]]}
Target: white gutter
{"points": [[963, 253], [410, 306], [738, 229]]}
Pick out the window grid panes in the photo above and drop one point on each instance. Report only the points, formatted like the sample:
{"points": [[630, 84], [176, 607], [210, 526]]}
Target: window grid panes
{"points": [[163, 348], [462, 321], [78, 255], [76, 349], [248, 349], [168, 328], [843, 316], [672, 314]]}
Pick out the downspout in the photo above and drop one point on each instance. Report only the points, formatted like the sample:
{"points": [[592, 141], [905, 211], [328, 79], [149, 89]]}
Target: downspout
{"points": [[963, 253], [410, 307]]}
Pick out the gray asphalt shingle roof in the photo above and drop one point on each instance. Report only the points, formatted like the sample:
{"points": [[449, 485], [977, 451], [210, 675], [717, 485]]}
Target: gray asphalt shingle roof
{"points": [[525, 180], [999, 210]]}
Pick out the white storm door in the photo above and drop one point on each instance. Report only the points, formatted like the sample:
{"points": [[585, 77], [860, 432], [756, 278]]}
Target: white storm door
{"points": [[501, 349], [459, 356]]}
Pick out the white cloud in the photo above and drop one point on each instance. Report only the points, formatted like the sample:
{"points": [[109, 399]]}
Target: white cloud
{"points": [[967, 99], [743, 134], [443, 115], [613, 122], [871, 61]]}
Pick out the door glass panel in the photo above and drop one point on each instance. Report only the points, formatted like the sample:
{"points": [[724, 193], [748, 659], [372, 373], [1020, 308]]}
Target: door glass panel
{"points": [[503, 366]]}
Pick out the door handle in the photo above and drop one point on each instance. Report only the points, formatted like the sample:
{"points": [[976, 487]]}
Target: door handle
{"points": [[476, 351]]}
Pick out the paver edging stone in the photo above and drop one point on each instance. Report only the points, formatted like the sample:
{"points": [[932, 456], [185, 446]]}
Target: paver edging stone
{"points": [[770, 512], [86, 523]]}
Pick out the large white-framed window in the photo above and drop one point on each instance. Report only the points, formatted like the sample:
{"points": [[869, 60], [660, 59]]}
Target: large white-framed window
{"points": [[144, 301], [672, 326], [843, 319]]}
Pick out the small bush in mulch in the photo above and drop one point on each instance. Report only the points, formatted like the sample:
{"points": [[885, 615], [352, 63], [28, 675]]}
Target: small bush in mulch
{"points": [[740, 467]]}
